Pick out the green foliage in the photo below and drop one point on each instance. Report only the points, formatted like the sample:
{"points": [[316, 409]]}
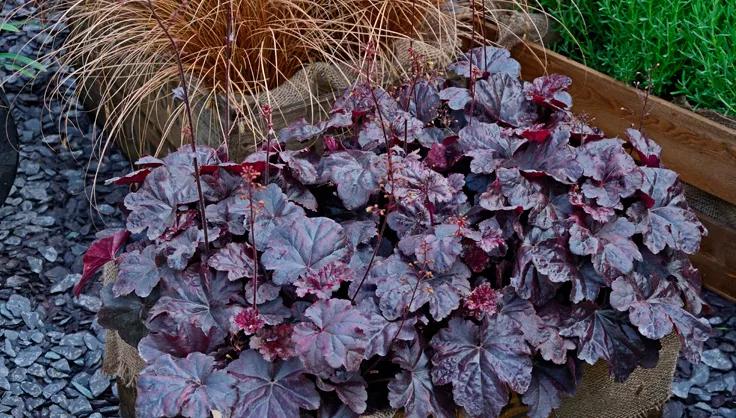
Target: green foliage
{"points": [[17, 62], [681, 47]]}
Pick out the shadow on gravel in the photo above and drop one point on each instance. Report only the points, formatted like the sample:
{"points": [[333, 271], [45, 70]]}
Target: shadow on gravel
{"points": [[8, 149]]}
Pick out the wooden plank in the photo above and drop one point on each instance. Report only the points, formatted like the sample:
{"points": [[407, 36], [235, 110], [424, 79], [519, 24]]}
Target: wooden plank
{"points": [[702, 151], [717, 258]]}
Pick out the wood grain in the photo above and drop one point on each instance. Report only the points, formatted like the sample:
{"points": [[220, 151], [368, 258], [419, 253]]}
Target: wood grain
{"points": [[717, 258]]}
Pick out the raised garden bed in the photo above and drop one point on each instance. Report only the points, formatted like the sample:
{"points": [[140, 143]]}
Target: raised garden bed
{"points": [[701, 150]]}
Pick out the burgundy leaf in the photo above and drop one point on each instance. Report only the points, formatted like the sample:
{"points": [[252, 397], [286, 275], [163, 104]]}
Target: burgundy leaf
{"points": [[274, 342], [646, 149], [612, 172], [482, 362], [324, 281], [271, 389], [248, 320], [488, 146], [550, 91], [234, 259], [554, 157], [304, 246], [482, 301], [606, 334], [98, 254], [189, 387], [412, 388], [334, 335], [666, 220]]}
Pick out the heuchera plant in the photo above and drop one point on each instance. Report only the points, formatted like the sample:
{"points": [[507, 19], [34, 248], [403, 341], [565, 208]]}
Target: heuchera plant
{"points": [[460, 238]]}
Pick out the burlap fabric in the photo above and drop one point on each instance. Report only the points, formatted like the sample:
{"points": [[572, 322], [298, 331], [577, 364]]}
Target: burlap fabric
{"points": [[120, 358]]}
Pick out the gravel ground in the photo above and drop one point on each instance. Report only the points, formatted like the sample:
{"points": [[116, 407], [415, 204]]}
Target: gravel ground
{"points": [[50, 344]]}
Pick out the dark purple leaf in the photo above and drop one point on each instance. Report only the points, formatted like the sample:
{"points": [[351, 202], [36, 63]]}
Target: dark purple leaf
{"points": [[248, 320], [439, 250], [402, 288], [654, 307], [98, 254], [501, 99], [138, 272], [180, 249], [482, 362], [153, 207], [610, 245], [302, 167], [235, 259], [349, 387], [488, 146], [612, 172], [666, 220], [182, 341], [606, 334], [185, 299], [646, 149], [335, 335], [300, 131], [489, 60], [303, 246], [271, 389], [425, 100], [590, 207], [511, 191], [189, 387], [549, 383], [553, 157], [413, 180], [550, 91], [412, 389], [456, 97], [384, 331], [272, 209], [357, 174]]}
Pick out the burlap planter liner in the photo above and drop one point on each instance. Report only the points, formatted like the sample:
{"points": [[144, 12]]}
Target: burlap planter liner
{"points": [[598, 395]]}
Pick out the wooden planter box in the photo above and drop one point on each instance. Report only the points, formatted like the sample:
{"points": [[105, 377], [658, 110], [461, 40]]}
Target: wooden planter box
{"points": [[702, 151]]}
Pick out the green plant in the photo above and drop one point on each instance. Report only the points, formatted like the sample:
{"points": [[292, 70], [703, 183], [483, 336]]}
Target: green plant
{"points": [[18, 62], [676, 47]]}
